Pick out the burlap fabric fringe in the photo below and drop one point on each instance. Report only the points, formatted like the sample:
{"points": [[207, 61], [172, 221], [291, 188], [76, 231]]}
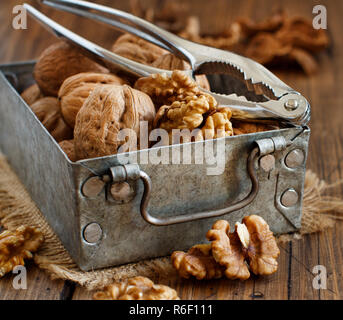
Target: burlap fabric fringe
{"points": [[17, 208]]}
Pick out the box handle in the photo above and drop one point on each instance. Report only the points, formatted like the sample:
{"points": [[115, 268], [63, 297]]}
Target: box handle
{"points": [[133, 172], [253, 156]]}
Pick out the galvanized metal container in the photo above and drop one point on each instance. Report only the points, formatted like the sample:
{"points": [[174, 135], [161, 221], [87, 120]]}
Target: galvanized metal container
{"points": [[100, 231]]}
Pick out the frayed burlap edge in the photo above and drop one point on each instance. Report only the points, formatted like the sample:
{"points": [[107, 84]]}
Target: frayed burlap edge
{"points": [[17, 208]]}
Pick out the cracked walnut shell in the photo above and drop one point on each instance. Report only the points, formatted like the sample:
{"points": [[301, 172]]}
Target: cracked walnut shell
{"points": [[48, 111], [137, 288], [197, 262], [17, 245], [251, 244], [57, 63], [108, 110], [76, 89]]}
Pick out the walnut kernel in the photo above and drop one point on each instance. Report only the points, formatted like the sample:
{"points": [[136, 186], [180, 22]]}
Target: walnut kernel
{"points": [[137, 288], [17, 245]]}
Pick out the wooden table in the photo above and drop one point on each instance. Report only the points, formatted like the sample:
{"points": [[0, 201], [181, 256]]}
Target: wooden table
{"points": [[294, 277]]}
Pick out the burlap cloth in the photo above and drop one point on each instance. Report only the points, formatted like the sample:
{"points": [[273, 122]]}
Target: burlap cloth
{"points": [[17, 208]]}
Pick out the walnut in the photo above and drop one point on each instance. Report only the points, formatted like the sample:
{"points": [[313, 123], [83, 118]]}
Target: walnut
{"points": [[68, 147], [137, 49], [48, 111], [242, 127], [217, 125], [164, 90], [299, 32], [137, 288], [227, 250], [262, 250], [197, 262], [169, 61], [31, 94], [17, 245], [57, 63], [76, 89], [107, 110], [251, 244]]}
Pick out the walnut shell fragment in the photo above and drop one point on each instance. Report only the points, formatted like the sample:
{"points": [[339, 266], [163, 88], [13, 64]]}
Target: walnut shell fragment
{"points": [[68, 147], [242, 127], [48, 111], [197, 262], [76, 89], [137, 49], [251, 246], [108, 110], [137, 288], [57, 63], [18, 245], [31, 94]]}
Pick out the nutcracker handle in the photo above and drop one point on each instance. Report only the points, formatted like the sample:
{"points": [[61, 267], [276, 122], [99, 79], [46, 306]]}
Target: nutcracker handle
{"points": [[253, 156]]}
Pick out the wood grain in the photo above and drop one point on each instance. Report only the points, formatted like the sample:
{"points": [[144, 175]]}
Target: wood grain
{"points": [[297, 259]]}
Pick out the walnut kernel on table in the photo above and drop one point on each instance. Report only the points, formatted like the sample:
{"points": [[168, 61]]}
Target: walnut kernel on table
{"points": [[57, 63], [107, 110], [48, 111], [17, 245], [251, 246], [137, 288], [76, 89], [197, 262]]}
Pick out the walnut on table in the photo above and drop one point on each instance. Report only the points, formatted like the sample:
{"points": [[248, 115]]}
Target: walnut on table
{"points": [[57, 63], [197, 262], [251, 246], [48, 111], [76, 89], [17, 245], [108, 110], [137, 288]]}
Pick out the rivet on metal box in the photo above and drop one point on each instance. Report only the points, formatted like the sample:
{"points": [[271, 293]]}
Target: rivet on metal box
{"points": [[167, 207]]}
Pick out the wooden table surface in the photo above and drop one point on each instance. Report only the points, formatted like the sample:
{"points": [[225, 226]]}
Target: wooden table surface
{"points": [[294, 277]]}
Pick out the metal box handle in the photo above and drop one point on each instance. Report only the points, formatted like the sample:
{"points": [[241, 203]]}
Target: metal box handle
{"points": [[132, 171], [253, 156]]}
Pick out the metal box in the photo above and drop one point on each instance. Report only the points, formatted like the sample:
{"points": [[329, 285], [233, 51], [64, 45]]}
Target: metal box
{"points": [[125, 231]]}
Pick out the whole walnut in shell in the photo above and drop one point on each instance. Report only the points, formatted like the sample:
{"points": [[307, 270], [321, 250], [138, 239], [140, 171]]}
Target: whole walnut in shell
{"points": [[76, 89], [169, 61], [57, 63], [137, 49], [48, 111], [68, 147], [107, 110], [31, 94]]}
